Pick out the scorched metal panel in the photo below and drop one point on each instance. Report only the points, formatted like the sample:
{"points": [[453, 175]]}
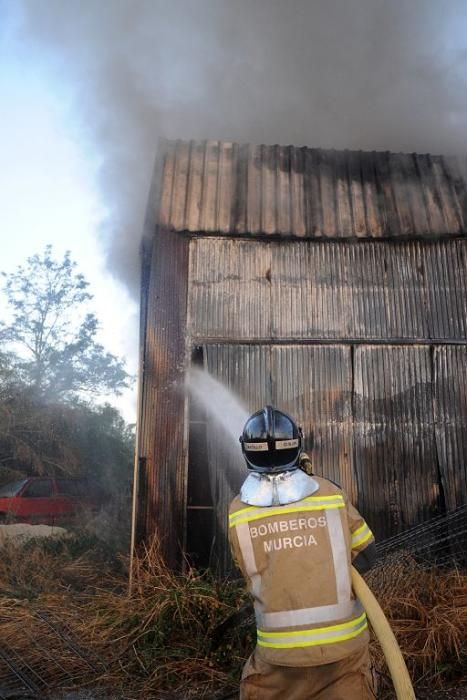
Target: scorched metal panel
{"points": [[314, 385], [371, 290], [230, 290], [450, 389], [395, 451], [162, 443], [246, 370], [230, 188]]}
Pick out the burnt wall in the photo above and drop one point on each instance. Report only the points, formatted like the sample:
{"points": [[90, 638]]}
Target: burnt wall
{"points": [[162, 424], [364, 342], [312, 291]]}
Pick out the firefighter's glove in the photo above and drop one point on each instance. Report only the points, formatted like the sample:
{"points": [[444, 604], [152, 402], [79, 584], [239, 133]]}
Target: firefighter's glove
{"points": [[305, 464]]}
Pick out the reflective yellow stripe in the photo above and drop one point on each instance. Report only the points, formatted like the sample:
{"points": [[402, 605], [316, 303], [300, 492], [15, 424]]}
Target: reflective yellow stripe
{"points": [[304, 500], [243, 510], [281, 511], [315, 642], [313, 637], [362, 540], [317, 630], [359, 530], [362, 535]]}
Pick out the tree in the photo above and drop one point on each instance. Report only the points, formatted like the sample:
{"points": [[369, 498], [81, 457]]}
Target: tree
{"points": [[49, 343], [59, 439]]}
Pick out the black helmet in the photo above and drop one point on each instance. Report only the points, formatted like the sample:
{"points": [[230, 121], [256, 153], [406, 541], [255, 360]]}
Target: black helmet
{"points": [[271, 441]]}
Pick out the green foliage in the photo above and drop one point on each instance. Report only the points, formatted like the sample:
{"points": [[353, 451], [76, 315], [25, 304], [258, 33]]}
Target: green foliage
{"points": [[50, 339], [105, 444], [56, 439], [51, 367]]}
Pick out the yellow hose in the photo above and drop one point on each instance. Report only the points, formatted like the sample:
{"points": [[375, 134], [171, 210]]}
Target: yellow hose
{"points": [[384, 634]]}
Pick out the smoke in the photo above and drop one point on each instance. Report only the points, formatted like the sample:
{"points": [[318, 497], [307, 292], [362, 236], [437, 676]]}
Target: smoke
{"points": [[369, 74]]}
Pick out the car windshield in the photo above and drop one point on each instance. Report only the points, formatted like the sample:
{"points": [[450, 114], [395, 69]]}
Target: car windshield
{"points": [[70, 488], [12, 488]]}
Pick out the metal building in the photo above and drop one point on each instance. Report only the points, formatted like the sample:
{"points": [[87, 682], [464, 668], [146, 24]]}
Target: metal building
{"points": [[329, 283]]}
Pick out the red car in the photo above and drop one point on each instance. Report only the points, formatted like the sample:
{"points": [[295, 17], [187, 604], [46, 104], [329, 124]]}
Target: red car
{"points": [[45, 500]]}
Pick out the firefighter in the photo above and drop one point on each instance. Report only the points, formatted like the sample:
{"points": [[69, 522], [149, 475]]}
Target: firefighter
{"points": [[294, 536]]}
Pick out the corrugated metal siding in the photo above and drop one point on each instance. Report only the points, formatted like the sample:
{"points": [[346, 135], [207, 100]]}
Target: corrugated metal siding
{"points": [[450, 372], [314, 384], [395, 451], [162, 419], [309, 290], [230, 295], [232, 188]]}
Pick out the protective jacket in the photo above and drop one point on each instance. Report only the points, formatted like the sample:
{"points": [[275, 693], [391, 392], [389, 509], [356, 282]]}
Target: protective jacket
{"points": [[296, 560]]}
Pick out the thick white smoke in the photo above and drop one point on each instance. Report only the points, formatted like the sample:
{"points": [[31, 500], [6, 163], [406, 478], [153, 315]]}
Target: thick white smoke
{"points": [[370, 74]]}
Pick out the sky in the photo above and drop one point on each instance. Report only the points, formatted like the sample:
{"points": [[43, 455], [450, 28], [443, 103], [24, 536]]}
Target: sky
{"points": [[87, 90], [49, 194]]}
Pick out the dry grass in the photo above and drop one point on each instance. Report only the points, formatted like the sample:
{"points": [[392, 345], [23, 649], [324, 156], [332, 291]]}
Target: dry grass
{"points": [[158, 642], [427, 610], [45, 565], [162, 633]]}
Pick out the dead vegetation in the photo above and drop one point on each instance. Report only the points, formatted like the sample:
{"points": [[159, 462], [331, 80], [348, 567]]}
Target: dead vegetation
{"points": [[156, 642], [65, 611], [427, 610]]}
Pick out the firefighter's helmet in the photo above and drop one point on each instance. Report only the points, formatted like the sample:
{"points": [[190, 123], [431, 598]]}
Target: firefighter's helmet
{"points": [[271, 441]]}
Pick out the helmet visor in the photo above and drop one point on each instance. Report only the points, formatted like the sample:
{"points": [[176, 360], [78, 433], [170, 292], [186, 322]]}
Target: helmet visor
{"points": [[284, 454]]}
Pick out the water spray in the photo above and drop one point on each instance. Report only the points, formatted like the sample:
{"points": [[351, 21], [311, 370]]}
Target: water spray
{"points": [[220, 404]]}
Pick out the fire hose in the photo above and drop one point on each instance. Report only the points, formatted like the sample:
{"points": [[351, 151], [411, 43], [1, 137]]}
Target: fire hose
{"points": [[385, 636], [383, 632]]}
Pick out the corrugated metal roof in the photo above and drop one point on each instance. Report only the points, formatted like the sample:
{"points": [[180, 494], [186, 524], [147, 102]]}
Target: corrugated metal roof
{"points": [[220, 187]]}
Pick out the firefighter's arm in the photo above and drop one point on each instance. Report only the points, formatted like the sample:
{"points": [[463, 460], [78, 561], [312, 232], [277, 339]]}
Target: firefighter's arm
{"points": [[366, 558], [362, 541], [235, 550]]}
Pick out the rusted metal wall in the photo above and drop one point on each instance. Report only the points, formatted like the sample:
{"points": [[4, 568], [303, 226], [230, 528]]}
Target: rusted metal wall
{"points": [[314, 383], [450, 407], [162, 444], [377, 415], [394, 436], [252, 290], [231, 188], [246, 371], [387, 422], [373, 413]]}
